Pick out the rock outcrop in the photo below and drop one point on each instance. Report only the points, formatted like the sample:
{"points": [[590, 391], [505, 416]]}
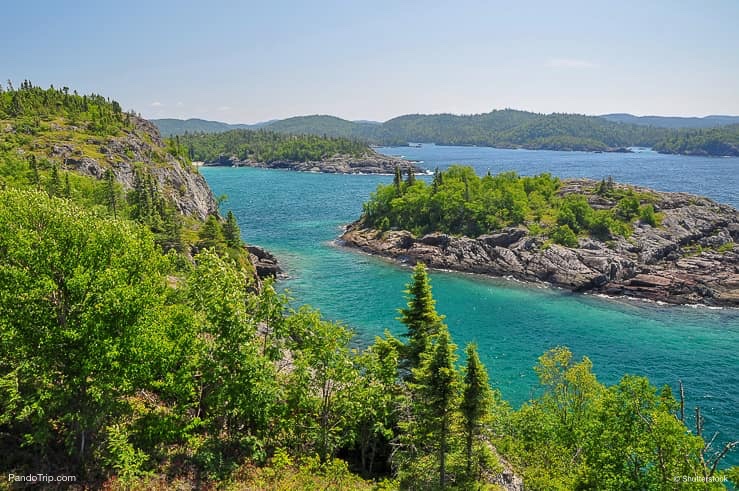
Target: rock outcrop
{"points": [[692, 257], [138, 146], [370, 163], [264, 262]]}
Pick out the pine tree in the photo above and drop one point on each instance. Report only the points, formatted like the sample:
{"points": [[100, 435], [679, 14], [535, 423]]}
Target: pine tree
{"points": [[110, 193], [398, 180], [476, 400], [436, 182], [411, 180], [54, 183], [211, 234], [438, 388], [420, 317], [35, 177], [67, 187], [231, 231]]}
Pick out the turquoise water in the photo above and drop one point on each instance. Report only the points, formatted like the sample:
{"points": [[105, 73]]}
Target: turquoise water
{"points": [[298, 215]]}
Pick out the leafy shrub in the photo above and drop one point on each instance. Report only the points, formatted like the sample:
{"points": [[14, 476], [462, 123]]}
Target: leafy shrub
{"points": [[647, 215], [627, 208], [563, 235]]}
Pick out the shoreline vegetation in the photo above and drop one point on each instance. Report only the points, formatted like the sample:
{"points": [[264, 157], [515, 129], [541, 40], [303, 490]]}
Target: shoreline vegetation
{"points": [[580, 234], [139, 349], [506, 128]]}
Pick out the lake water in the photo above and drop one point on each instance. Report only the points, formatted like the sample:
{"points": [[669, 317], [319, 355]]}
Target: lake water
{"points": [[298, 216]]}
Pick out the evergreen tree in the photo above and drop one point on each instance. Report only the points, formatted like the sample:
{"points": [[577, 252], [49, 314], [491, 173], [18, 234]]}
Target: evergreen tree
{"points": [[436, 182], [110, 193], [35, 177], [55, 184], [398, 180], [411, 180], [211, 234], [67, 187], [476, 401], [231, 231], [420, 317], [438, 388]]}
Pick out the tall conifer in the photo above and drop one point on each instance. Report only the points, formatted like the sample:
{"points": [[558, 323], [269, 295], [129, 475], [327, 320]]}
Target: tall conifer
{"points": [[420, 316]]}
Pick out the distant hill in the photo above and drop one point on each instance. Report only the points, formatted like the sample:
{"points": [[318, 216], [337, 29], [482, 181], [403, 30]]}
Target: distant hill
{"points": [[507, 128], [324, 125], [171, 127], [712, 121]]}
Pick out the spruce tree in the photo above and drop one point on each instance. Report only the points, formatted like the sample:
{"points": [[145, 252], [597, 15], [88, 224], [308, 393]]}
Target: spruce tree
{"points": [[420, 316], [476, 400], [55, 183], [398, 180], [436, 182], [211, 234], [231, 231], [438, 388], [67, 187], [110, 193], [35, 177]]}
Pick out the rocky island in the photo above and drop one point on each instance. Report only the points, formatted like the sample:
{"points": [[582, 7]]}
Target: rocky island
{"points": [[687, 255]]}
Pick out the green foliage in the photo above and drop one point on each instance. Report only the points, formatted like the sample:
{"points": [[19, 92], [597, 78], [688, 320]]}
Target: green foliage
{"points": [[476, 406], [265, 146], [647, 215], [211, 234], [563, 235], [722, 141], [580, 434], [420, 317], [231, 231], [501, 128], [627, 208], [77, 329], [459, 202], [436, 402], [29, 105], [119, 362]]}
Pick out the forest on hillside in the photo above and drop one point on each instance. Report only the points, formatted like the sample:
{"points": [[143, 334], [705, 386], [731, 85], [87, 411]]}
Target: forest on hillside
{"points": [[138, 350], [507, 128], [722, 141]]}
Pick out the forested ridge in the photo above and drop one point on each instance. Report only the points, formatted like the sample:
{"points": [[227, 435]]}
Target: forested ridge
{"points": [[506, 128], [139, 351], [712, 141]]}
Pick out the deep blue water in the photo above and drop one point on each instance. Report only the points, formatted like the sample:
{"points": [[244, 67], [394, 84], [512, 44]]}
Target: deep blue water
{"points": [[298, 215]]}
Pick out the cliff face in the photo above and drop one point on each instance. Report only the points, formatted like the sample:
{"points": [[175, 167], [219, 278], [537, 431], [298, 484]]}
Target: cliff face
{"points": [[141, 146], [692, 257]]}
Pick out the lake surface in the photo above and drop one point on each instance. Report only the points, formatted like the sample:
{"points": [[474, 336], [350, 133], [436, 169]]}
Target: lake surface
{"points": [[297, 216]]}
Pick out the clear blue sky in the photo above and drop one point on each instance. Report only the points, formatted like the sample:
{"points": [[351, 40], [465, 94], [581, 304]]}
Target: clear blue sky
{"points": [[241, 61]]}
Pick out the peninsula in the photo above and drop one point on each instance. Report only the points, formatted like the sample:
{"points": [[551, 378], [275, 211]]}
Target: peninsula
{"points": [[579, 234], [307, 153]]}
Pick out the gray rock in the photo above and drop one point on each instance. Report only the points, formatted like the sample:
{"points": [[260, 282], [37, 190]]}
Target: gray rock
{"points": [[370, 163]]}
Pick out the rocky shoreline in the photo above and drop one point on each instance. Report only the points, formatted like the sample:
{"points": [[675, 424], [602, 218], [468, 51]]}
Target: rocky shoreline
{"points": [[371, 163], [691, 258]]}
